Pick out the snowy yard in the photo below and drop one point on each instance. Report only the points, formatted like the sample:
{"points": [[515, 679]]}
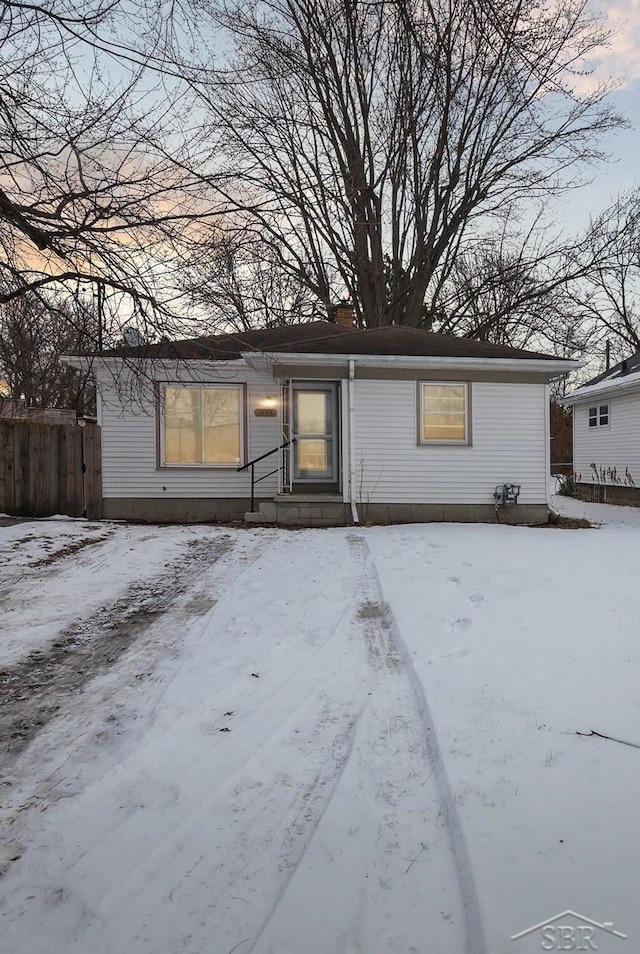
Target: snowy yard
{"points": [[352, 741]]}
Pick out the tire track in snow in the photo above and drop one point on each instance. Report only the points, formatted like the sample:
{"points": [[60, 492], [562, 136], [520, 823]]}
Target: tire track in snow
{"points": [[380, 631], [378, 871], [390, 646], [36, 688], [190, 584], [249, 832], [164, 859], [299, 821], [236, 828], [29, 561]]}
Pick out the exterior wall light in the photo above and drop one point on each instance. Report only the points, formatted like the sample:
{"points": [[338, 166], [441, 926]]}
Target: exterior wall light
{"points": [[267, 407]]}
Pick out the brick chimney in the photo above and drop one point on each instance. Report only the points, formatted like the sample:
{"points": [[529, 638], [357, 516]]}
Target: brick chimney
{"points": [[345, 314]]}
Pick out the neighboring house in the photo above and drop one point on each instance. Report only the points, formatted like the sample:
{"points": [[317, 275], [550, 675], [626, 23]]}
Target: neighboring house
{"points": [[385, 424], [606, 434]]}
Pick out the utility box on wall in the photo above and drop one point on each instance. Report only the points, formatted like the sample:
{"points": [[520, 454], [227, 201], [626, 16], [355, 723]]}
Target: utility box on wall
{"points": [[506, 495]]}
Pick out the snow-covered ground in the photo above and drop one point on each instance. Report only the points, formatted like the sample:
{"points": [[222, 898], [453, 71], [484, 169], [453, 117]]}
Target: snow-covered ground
{"points": [[353, 741]]}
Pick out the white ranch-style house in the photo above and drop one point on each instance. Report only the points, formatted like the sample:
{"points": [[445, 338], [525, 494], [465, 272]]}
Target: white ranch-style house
{"points": [[321, 423]]}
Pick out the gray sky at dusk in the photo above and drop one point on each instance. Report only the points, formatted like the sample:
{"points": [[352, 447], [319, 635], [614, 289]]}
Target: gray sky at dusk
{"points": [[619, 63]]}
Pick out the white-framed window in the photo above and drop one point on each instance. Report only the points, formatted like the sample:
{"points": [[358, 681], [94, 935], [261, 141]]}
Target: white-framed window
{"points": [[444, 412], [201, 425], [599, 415]]}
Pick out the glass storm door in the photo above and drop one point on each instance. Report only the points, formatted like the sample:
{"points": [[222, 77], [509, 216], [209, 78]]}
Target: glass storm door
{"points": [[315, 432]]}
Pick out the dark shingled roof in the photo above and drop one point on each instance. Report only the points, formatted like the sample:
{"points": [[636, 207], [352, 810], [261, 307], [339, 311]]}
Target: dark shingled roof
{"points": [[630, 365], [323, 337]]}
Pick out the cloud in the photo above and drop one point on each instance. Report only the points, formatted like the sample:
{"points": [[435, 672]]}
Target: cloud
{"points": [[619, 61]]}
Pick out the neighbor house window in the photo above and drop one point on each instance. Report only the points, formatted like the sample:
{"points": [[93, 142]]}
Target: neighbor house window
{"points": [[202, 425], [599, 416], [444, 413]]}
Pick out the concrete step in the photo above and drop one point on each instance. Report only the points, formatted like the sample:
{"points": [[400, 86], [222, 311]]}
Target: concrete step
{"points": [[256, 516], [311, 511], [265, 514], [308, 498], [268, 508]]}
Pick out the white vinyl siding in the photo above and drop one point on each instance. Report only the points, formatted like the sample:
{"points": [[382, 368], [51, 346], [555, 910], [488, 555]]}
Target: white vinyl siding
{"points": [[612, 448], [506, 426], [130, 431], [509, 444]]}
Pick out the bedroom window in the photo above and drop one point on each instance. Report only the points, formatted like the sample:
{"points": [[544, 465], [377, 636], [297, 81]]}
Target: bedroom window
{"points": [[202, 425], [599, 416], [444, 413]]}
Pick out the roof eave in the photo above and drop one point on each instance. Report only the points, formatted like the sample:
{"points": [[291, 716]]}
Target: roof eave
{"points": [[553, 367], [95, 362], [576, 397], [78, 361], [265, 361]]}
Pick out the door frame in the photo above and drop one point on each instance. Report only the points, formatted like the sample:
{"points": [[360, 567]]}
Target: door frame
{"points": [[310, 485]]}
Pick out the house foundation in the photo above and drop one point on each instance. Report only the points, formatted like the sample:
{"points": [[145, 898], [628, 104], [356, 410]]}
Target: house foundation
{"points": [[312, 510]]}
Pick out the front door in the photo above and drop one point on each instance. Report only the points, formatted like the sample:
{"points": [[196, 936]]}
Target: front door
{"points": [[315, 429]]}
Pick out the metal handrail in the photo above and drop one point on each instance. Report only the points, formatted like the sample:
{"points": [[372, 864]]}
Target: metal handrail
{"points": [[262, 456], [270, 474], [257, 460]]}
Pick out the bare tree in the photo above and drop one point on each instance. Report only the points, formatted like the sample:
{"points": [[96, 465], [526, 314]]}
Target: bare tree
{"points": [[33, 337], [361, 150], [497, 296], [99, 162], [239, 284], [372, 144], [608, 295], [514, 290]]}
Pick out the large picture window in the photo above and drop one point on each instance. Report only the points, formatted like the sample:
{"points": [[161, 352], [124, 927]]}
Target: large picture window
{"points": [[444, 413], [202, 425]]}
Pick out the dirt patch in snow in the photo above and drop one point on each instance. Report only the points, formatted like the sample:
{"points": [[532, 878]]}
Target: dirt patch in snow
{"points": [[374, 616], [560, 522], [55, 550], [70, 549], [43, 684]]}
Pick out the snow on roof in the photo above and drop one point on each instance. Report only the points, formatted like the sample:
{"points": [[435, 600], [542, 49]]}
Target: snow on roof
{"points": [[624, 376]]}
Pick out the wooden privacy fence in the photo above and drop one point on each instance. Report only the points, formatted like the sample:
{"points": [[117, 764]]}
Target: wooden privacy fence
{"points": [[50, 468]]}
